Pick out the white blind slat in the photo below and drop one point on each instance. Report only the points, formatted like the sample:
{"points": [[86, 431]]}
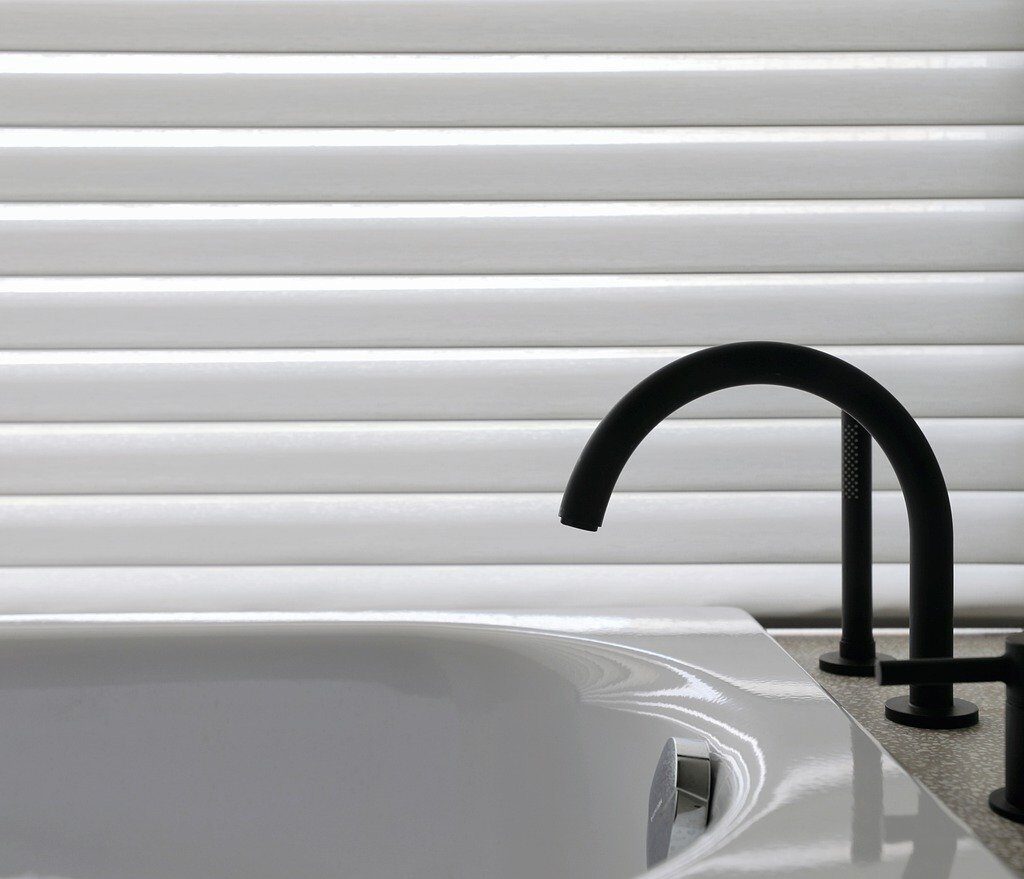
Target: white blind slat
{"points": [[507, 25], [493, 456], [949, 161], [769, 591], [402, 384], [588, 89], [659, 527], [510, 237], [510, 311]]}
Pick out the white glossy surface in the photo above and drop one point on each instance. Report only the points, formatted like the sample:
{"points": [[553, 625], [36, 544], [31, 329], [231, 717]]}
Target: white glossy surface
{"points": [[557, 163], [459, 311], [586, 88], [437, 745], [317, 457], [508, 25], [513, 237], [476, 528], [54, 164], [805, 591], [460, 384]]}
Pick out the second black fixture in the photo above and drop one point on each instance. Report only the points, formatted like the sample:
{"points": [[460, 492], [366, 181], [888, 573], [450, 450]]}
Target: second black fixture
{"points": [[615, 439], [856, 654]]}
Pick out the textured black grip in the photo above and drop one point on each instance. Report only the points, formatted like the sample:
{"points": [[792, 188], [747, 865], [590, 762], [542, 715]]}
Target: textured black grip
{"points": [[856, 460], [857, 642]]}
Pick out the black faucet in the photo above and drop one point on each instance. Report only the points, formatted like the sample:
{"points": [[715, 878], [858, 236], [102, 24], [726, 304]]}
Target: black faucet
{"points": [[879, 412], [1007, 801]]}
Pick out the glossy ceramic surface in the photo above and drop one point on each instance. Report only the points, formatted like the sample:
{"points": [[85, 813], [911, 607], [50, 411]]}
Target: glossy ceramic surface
{"points": [[436, 745]]}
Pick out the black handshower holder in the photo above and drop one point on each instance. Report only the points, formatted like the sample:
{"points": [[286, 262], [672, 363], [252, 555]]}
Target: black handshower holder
{"points": [[856, 654]]}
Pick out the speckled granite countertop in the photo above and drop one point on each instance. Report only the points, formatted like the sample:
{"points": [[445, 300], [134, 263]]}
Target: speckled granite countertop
{"points": [[960, 767]]}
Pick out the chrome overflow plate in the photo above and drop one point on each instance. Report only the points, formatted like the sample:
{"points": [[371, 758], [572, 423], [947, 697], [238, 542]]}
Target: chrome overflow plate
{"points": [[680, 799]]}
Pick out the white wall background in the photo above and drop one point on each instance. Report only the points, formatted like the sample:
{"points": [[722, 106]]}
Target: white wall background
{"points": [[313, 304]]}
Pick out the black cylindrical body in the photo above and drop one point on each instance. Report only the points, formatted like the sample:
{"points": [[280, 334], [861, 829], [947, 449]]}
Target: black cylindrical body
{"points": [[1014, 748], [1015, 721], [857, 641]]}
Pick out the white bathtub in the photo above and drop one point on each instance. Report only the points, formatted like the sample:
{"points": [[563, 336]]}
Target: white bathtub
{"points": [[436, 746]]}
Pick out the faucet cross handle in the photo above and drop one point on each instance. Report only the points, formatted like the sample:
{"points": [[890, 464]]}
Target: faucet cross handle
{"points": [[1007, 801]]}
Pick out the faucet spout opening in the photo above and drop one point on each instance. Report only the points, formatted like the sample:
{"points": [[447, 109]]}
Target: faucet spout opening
{"points": [[580, 523]]}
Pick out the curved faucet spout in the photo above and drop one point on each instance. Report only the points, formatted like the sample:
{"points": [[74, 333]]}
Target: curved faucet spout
{"points": [[879, 412]]}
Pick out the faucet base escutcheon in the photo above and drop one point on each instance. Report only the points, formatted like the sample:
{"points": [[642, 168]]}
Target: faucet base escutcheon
{"points": [[835, 663], [960, 714], [999, 804]]}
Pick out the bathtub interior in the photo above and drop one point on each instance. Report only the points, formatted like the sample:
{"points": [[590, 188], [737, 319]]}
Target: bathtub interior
{"points": [[369, 752]]}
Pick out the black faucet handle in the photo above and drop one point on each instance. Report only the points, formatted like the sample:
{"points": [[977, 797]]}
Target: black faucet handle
{"points": [[967, 670], [1007, 801]]}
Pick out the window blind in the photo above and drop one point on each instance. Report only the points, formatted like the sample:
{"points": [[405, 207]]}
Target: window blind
{"points": [[313, 304]]}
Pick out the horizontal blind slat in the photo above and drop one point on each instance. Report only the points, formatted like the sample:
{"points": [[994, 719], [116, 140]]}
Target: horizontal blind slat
{"points": [[510, 237], [586, 89], [510, 311], [662, 527], [507, 25], [511, 164], [400, 384], [681, 455], [807, 592]]}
